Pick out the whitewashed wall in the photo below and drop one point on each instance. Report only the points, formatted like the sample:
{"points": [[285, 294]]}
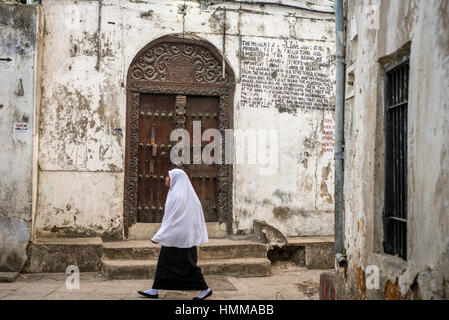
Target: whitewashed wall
{"points": [[81, 154], [20, 31], [376, 34]]}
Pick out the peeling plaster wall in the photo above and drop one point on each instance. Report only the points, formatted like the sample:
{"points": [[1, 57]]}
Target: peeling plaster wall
{"points": [[376, 31], [68, 215], [83, 110], [20, 28]]}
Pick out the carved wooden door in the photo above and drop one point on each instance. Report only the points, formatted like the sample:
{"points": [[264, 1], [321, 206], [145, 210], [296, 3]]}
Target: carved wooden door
{"points": [[203, 176], [159, 116]]}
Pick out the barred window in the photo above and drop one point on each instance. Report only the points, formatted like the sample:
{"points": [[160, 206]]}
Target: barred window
{"points": [[395, 218]]}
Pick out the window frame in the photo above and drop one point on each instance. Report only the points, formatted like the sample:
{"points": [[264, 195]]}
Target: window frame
{"points": [[395, 213]]}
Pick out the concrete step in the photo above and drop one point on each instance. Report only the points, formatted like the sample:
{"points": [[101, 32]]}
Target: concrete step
{"points": [[214, 249], [232, 249], [130, 250], [146, 231], [146, 269]]}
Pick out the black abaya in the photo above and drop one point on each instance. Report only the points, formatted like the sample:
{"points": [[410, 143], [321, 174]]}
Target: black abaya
{"points": [[177, 270]]}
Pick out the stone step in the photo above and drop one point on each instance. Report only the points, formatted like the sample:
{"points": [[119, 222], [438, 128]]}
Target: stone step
{"points": [[146, 231], [145, 269], [55, 254], [214, 249], [231, 249], [130, 250]]}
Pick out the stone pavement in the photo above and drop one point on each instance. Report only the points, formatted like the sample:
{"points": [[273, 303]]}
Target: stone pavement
{"points": [[287, 282]]}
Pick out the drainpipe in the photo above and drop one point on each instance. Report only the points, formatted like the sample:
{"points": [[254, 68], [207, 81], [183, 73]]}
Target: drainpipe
{"points": [[340, 257]]}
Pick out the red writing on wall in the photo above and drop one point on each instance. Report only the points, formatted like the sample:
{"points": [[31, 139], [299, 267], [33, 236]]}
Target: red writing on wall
{"points": [[328, 136], [327, 291]]}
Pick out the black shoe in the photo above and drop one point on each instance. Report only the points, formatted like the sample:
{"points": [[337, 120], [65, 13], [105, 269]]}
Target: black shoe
{"points": [[147, 295], [206, 296]]}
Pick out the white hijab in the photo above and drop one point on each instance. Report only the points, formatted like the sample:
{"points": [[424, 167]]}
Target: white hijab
{"points": [[183, 225]]}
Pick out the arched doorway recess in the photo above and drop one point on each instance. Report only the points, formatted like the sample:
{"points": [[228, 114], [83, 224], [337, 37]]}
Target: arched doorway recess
{"points": [[173, 81]]}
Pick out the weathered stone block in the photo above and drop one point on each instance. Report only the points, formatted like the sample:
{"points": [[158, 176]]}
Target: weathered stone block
{"points": [[320, 256], [54, 255]]}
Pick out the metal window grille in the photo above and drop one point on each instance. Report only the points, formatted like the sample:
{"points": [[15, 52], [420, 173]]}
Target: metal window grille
{"points": [[395, 218]]}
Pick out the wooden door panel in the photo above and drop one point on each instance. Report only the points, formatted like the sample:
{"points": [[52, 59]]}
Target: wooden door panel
{"points": [[155, 126], [203, 176], [156, 122]]}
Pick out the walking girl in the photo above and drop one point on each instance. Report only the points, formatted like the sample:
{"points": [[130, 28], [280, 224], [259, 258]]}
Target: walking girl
{"points": [[183, 229]]}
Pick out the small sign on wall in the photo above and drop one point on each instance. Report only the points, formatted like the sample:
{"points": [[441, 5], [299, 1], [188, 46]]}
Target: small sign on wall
{"points": [[21, 131], [6, 64]]}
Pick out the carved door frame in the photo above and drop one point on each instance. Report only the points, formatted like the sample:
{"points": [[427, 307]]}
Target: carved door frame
{"points": [[156, 69]]}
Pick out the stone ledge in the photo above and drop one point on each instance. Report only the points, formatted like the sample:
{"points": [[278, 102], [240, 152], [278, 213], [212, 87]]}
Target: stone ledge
{"points": [[310, 240], [56, 254], [9, 276], [145, 231], [69, 241]]}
